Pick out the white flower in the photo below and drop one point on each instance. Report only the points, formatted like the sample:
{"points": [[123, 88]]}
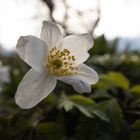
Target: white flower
{"points": [[53, 58]]}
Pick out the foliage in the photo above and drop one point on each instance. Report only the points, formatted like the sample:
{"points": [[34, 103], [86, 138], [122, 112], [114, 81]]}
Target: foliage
{"points": [[109, 112]]}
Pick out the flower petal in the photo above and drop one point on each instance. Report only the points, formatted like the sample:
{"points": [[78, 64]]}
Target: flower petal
{"points": [[78, 45], [89, 73], [32, 50], [34, 87], [79, 83], [51, 34]]}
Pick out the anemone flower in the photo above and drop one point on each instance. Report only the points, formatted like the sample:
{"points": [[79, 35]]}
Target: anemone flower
{"points": [[53, 58]]}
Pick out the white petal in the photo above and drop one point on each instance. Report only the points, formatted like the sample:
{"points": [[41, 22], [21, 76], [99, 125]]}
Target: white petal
{"points": [[32, 50], [51, 34], [79, 83], [34, 87], [89, 73], [78, 45]]}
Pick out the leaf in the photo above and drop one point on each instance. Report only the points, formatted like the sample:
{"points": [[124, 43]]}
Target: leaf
{"points": [[113, 111], [83, 104], [135, 134], [114, 78], [82, 100], [136, 89], [52, 130], [116, 115], [135, 104], [86, 129], [65, 102], [78, 101], [101, 94], [106, 136], [103, 84], [136, 125], [86, 106], [100, 46], [100, 114]]}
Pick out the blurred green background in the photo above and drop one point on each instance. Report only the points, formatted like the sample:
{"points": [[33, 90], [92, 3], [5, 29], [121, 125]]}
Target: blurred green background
{"points": [[110, 112]]}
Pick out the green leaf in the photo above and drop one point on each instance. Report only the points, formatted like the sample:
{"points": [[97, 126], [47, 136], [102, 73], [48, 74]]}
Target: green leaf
{"points": [[82, 100], [101, 94], [52, 130], [86, 129], [136, 89], [106, 136], [136, 125], [78, 101], [83, 104], [113, 111], [86, 106], [100, 46], [65, 102], [135, 104], [114, 78], [135, 135], [100, 114]]}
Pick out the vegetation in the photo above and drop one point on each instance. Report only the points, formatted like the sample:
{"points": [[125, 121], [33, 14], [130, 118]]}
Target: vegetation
{"points": [[110, 112]]}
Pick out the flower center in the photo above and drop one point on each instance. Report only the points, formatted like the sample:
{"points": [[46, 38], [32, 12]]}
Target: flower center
{"points": [[60, 62]]}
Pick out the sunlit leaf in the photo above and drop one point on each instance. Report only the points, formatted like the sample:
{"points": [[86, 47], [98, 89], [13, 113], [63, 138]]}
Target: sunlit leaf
{"points": [[81, 100], [136, 89], [113, 78]]}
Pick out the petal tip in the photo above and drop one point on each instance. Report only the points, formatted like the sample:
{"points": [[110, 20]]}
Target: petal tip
{"points": [[22, 41], [20, 103], [86, 91], [96, 78], [23, 106], [90, 39]]}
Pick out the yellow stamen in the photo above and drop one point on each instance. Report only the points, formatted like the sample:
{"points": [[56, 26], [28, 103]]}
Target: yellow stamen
{"points": [[60, 62]]}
